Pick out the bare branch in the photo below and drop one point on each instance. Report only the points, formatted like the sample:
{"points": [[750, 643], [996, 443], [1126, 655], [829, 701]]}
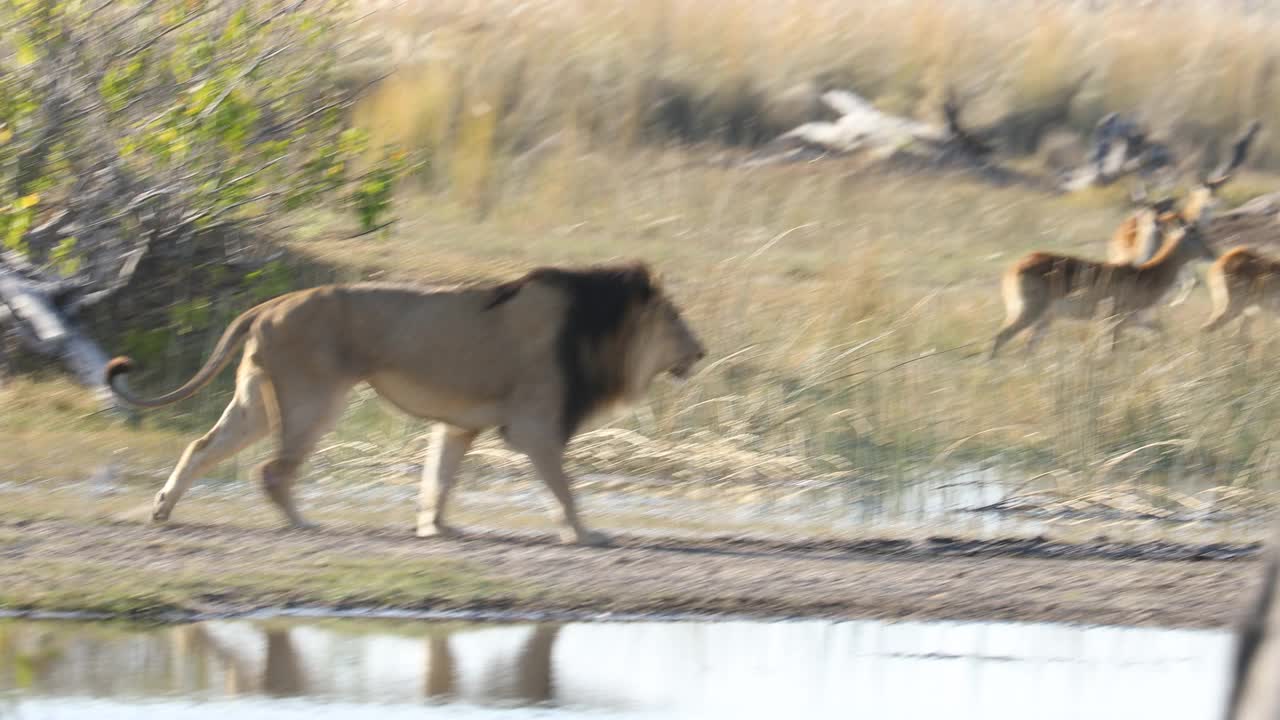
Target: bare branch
{"points": [[970, 143], [231, 86], [1239, 151], [287, 10], [128, 268], [137, 13], [212, 214], [252, 173], [140, 47], [351, 98], [372, 230]]}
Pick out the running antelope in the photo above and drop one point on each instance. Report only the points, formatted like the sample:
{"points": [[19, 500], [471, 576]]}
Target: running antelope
{"points": [[1141, 234], [1041, 285], [1138, 238], [1241, 282]]}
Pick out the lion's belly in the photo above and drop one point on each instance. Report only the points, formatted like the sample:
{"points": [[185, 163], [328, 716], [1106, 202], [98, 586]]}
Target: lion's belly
{"points": [[432, 401]]}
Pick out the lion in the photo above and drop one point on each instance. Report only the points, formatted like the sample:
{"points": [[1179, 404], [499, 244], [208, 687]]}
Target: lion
{"points": [[541, 359]]}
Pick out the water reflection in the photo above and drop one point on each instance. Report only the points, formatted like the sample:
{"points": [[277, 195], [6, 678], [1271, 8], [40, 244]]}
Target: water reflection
{"points": [[724, 669], [280, 673], [523, 679]]}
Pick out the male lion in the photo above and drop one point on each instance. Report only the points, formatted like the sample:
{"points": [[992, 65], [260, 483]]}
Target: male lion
{"points": [[541, 358]]}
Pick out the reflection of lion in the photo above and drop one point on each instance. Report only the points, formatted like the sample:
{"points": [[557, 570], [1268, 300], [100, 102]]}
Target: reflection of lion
{"points": [[539, 358]]}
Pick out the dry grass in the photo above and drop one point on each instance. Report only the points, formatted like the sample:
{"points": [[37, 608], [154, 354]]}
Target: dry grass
{"points": [[845, 310], [614, 73], [846, 314]]}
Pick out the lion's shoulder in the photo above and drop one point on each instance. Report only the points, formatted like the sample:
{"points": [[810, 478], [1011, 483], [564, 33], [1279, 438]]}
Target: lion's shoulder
{"points": [[595, 322]]}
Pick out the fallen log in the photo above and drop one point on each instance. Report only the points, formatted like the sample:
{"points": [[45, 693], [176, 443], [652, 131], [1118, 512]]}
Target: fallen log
{"points": [[46, 331], [861, 126], [896, 141], [1121, 148], [1121, 145]]}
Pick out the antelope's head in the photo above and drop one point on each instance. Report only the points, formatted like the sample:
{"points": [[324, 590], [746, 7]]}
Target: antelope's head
{"points": [[1202, 200]]}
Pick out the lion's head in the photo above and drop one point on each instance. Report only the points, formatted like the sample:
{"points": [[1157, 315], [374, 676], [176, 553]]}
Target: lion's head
{"points": [[620, 331], [663, 341]]}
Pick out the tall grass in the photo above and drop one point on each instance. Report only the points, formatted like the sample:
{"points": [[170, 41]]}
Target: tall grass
{"points": [[736, 69], [846, 310], [847, 317]]}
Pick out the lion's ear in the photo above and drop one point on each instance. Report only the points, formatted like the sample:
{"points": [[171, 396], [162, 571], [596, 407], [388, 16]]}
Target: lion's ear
{"points": [[504, 292]]}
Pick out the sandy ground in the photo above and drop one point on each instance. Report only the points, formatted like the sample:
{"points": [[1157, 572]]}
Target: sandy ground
{"points": [[62, 561]]}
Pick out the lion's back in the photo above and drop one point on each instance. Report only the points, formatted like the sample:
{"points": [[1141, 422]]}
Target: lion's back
{"points": [[446, 353]]}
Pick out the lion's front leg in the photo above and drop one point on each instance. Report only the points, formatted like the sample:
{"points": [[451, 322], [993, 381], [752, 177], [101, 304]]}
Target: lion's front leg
{"points": [[547, 455], [439, 471]]}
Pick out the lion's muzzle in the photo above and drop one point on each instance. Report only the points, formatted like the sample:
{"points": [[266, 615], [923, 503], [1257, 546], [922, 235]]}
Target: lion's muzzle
{"points": [[683, 369]]}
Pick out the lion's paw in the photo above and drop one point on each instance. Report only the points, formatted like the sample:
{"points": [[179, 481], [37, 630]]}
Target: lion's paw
{"points": [[160, 510], [432, 530], [586, 538]]}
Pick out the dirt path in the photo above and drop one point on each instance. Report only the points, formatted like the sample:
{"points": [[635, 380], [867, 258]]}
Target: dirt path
{"points": [[134, 568]]}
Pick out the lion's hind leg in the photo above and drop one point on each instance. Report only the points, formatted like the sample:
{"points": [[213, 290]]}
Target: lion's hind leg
{"points": [[308, 408], [243, 422]]}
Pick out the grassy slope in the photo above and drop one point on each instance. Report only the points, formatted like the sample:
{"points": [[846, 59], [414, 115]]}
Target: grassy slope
{"points": [[823, 291]]}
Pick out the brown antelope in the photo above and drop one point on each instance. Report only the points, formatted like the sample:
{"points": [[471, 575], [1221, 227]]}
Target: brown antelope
{"points": [[1138, 239], [1241, 282], [1141, 234], [1042, 284]]}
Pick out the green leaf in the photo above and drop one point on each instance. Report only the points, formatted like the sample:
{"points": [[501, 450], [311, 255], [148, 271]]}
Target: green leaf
{"points": [[64, 256], [236, 26], [372, 196], [145, 345], [312, 29], [19, 222], [24, 673], [199, 97], [118, 83], [353, 141], [189, 316], [198, 63], [193, 58], [269, 281], [27, 53]]}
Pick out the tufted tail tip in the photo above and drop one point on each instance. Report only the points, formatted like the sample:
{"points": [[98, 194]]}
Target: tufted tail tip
{"points": [[118, 366]]}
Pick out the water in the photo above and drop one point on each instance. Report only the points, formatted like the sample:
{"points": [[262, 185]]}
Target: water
{"points": [[275, 669]]}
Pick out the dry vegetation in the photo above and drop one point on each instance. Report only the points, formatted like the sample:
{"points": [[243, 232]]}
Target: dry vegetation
{"points": [[608, 73], [846, 311]]}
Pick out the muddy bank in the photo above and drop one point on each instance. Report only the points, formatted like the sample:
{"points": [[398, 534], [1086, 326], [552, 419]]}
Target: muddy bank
{"points": [[133, 569]]}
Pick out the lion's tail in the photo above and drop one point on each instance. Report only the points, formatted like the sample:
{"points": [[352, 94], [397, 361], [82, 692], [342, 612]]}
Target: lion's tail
{"points": [[232, 338]]}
